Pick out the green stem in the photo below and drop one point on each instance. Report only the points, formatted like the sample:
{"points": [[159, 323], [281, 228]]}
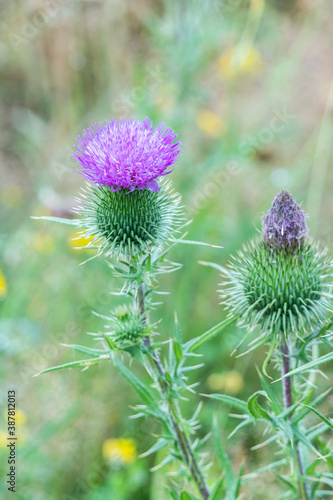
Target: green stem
{"points": [[182, 439], [303, 485]]}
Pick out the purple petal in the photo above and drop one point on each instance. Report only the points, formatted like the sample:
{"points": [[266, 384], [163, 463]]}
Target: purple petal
{"points": [[153, 186], [126, 154]]}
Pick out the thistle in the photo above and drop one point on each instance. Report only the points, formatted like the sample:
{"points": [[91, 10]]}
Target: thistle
{"points": [[125, 209], [282, 281], [128, 213]]}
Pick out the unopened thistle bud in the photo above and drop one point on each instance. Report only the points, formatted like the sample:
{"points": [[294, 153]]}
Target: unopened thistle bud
{"points": [[125, 210], [284, 226], [127, 327], [281, 282]]}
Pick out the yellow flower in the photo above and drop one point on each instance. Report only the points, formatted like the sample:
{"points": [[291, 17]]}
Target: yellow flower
{"points": [[210, 123], [77, 241], [42, 242], [231, 382], [238, 61], [121, 451], [3, 286]]}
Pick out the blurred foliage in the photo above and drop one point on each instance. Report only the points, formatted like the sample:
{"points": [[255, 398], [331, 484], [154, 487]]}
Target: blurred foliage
{"points": [[248, 87]]}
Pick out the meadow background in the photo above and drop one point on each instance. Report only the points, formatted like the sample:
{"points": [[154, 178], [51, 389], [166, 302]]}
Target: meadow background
{"points": [[247, 85]]}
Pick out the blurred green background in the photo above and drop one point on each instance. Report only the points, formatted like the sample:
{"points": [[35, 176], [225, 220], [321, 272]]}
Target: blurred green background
{"points": [[247, 85]]}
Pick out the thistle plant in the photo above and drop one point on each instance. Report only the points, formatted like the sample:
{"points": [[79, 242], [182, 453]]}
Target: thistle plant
{"points": [[280, 285], [134, 219]]}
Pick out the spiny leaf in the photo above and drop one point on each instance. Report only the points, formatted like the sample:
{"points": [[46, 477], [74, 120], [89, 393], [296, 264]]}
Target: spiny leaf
{"points": [[222, 456], [308, 366], [174, 494], [324, 419], [200, 243], [83, 363], [69, 222], [197, 342], [254, 407], [230, 400], [86, 350], [185, 496], [271, 466], [268, 358], [240, 426], [297, 417], [178, 352], [275, 405], [161, 443], [223, 270], [217, 490], [287, 482], [178, 334], [238, 483], [140, 388], [300, 436]]}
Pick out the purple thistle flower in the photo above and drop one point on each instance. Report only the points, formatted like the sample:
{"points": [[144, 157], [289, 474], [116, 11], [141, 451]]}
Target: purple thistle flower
{"points": [[126, 154], [284, 226]]}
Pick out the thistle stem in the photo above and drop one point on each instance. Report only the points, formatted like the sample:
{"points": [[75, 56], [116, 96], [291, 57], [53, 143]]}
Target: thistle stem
{"points": [[303, 485], [286, 382], [184, 443]]}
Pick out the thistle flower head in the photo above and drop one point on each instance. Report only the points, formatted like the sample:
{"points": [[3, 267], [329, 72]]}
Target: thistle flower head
{"points": [[282, 283], [126, 154], [284, 226]]}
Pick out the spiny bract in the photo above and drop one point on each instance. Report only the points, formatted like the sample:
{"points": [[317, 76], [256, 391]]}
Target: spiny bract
{"points": [[282, 292], [284, 226], [128, 222]]}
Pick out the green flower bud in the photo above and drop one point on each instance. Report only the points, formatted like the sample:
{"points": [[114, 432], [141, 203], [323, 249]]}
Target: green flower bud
{"points": [[282, 282], [284, 292], [127, 326]]}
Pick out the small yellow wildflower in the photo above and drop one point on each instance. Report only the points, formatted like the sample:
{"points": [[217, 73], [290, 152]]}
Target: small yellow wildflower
{"points": [[42, 242], [3, 286], [77, 241], [231, 382], [121, 451], [238, 61], [210, 123]]}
